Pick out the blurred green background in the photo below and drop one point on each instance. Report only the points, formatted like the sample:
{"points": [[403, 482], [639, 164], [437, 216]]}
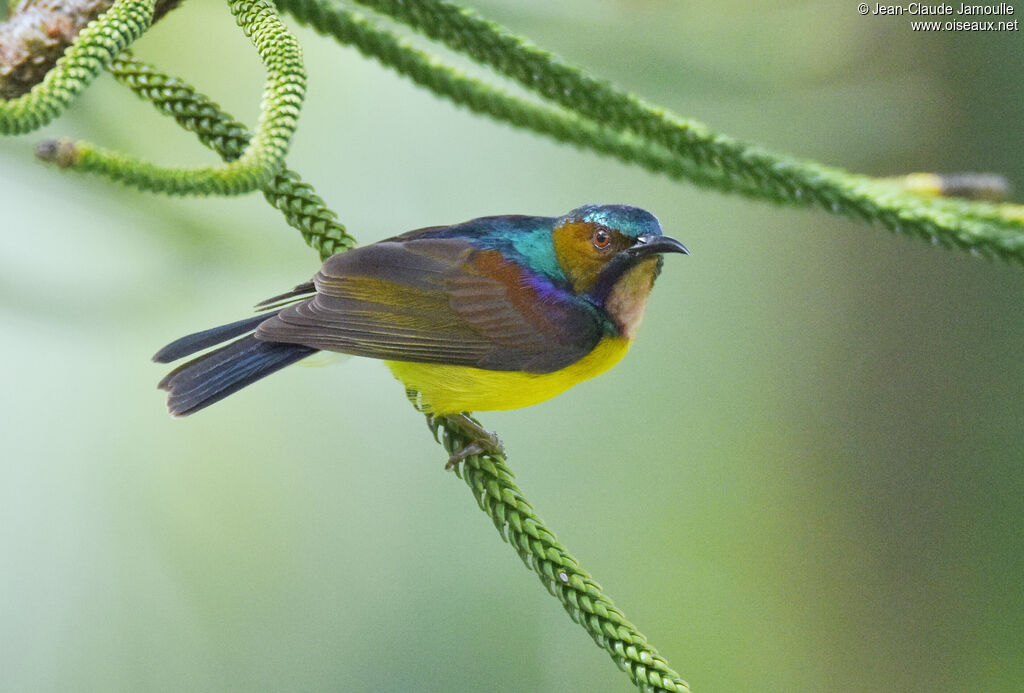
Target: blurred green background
{"points": [[806, 476]]}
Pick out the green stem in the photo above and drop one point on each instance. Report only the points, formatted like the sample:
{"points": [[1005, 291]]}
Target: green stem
{"points": [[347, 27], [971, 226], [96, 46], [262, 159], [302, 207], [494, 488]]}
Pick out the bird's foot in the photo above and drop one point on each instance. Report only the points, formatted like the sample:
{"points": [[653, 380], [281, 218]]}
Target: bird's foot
{"points": [[478, 440], [460, 455]]}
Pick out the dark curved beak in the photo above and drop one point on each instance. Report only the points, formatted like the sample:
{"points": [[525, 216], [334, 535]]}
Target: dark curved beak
{"points": [[649, 245]]}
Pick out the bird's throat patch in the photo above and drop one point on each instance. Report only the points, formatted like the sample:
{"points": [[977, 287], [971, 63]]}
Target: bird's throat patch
{"points": [[627, 300]]}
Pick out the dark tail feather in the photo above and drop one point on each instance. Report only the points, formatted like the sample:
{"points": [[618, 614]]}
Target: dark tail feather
{"points": [[213, 376], [190, 344], [299, 292]]}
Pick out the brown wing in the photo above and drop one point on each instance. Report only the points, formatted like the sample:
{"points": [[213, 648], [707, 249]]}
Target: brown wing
{"points": [[439, 300]]}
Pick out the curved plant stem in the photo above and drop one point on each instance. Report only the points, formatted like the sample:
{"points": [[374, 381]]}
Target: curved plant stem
{"points": [[330, 18], [981, 228], [96, 46], [494, 488], [262, 158], [347, 27], [301, 206]]}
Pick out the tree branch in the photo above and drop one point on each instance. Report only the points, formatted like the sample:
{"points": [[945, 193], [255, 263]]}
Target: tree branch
{"points": [[97, 46], [38, 32]]}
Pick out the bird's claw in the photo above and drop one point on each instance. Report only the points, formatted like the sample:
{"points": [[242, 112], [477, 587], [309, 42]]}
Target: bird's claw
{"points": [[479, 440], [460, 455]]}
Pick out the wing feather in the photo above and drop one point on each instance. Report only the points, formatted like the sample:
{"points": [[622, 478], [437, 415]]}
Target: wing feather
{"points": [[439, 300]]}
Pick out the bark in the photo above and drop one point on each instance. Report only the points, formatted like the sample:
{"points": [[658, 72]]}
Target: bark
{"points": [[37, 32]]}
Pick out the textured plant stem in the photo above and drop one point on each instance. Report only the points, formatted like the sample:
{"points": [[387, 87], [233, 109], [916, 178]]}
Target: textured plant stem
{"points": [[262, 159], [96, 46], [980, 228], [331, 19], [302, 207], [494, 488]]}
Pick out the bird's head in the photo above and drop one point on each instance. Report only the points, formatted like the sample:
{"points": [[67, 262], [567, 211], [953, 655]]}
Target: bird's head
{"points": [[611, 254]]}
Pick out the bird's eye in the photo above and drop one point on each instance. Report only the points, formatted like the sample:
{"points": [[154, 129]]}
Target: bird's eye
{"points": [[602, 238]]}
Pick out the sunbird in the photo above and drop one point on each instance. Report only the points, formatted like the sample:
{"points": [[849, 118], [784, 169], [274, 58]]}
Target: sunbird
{"points": [[495, 313]]}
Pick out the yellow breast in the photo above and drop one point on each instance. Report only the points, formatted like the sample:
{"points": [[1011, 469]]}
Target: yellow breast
{"points": [[452, 389]]}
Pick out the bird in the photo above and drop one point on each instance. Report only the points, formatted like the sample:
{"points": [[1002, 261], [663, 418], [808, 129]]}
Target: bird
{"points": [[496, 313]]}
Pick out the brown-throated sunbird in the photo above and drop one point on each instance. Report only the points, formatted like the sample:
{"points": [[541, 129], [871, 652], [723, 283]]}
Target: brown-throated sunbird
{"points": [[495, 313]]}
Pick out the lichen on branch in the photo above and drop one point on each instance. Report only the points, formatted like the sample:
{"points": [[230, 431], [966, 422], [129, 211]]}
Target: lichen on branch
{"points": [[36, 34], [94, 48]]}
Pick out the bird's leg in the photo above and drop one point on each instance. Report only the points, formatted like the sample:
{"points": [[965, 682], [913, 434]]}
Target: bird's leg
{"points": [[478, 440]]}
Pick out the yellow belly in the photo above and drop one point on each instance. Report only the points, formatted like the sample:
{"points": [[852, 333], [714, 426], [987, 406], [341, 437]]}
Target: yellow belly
{"points": [[451, 389]]}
